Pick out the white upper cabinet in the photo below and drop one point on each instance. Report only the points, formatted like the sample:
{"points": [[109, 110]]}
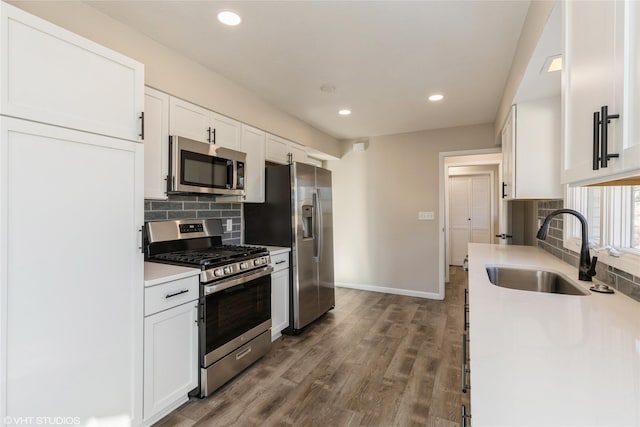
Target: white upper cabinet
{"points": [[298, 152], [600, 76], [197, 123], [57, 77], [277, 150], [225, 131], [188, 120], [253, 143], [282, 151], [156, 143], [531, 151]]}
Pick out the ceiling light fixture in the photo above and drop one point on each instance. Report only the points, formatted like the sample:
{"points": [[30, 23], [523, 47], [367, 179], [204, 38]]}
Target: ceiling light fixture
{"points": [[552, 63], [344, 112], [327, 88], [436, 97], [228, 17]]}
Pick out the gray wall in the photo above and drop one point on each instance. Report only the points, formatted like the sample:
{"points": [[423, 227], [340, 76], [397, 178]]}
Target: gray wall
{"points": [[616, 278]]}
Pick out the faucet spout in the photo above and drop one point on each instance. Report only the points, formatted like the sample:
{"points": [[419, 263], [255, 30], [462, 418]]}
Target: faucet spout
{"points": [[587, 267]]}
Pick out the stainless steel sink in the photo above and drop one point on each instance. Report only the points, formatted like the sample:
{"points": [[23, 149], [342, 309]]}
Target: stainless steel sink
{"points": [[533, 280]]}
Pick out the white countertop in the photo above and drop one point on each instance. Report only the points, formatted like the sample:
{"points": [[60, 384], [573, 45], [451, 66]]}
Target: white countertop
{"points": [[276, 250], [155, 273], [542, 359]]}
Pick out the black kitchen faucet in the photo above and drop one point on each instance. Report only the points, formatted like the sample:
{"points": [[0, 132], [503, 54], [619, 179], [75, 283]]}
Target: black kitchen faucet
{"points": [[587, 267]]}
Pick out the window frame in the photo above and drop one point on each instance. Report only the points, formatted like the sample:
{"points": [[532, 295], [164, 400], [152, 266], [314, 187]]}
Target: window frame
{"points": [[615, 226]]}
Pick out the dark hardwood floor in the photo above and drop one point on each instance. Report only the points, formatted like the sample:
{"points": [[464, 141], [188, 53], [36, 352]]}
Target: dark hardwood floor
{"points": [[375, 360]]}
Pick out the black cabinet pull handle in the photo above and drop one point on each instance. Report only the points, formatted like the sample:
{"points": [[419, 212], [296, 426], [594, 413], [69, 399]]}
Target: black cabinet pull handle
{"points": [[214, 135], [209, 135], [141, 134], [504, 194], [175, 294], [604, 135], [504, 236], [465, 417], [596, 140]]}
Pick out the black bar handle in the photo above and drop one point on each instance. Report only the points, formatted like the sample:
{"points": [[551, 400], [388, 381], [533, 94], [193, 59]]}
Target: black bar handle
{"points": [[504, 194], [209, 135], [465, 417], [175, 294], [141, 134], [596, 140], [604, 135], [214, 135]]}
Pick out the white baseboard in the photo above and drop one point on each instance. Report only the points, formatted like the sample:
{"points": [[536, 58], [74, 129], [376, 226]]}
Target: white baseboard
{"points": [[386, 290]]}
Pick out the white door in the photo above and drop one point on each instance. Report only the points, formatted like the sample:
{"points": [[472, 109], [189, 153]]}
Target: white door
{"points": [[470, 213], [71, 291]]}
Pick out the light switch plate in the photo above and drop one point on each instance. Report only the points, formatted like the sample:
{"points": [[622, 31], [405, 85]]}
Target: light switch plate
{"points": [[424, 216], [229, 225]]}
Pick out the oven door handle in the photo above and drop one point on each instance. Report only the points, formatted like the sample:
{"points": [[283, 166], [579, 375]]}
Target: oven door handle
{"points": [[237, 280]]}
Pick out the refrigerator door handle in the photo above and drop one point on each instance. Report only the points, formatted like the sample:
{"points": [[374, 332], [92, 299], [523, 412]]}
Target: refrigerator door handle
{"points": [[320, 222], [316, 238]]}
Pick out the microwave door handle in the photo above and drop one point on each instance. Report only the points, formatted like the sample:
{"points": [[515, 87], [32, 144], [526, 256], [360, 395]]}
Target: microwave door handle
{"points": [[230, 173]]}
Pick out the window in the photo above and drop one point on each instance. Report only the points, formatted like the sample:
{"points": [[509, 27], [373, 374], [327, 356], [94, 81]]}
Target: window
{"points": [[613, 214]]}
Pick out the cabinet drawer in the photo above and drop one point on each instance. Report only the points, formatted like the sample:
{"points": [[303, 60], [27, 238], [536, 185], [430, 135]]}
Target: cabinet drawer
{"points": [[280, 261], [170, 294]]}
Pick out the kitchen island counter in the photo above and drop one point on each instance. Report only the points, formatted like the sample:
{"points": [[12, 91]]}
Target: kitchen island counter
{"points": [[549, 359]]}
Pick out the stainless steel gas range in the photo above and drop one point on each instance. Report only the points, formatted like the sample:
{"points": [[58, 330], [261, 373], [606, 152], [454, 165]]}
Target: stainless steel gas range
{"points": [[235, 294]]}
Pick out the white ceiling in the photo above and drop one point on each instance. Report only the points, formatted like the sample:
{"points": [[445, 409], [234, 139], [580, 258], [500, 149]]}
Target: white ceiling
{"points": [[383, 57]]}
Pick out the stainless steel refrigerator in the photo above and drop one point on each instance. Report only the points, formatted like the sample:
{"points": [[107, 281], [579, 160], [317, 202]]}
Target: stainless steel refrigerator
{"points": [[297, 213]]}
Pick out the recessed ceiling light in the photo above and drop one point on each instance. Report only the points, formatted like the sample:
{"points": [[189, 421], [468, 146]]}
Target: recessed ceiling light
{"points": [[327, 88], [436, 97], [228, 17], [344, 112], [552, 63]]}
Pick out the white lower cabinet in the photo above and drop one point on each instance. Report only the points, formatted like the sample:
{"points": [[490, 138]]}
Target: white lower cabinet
{"points": [[279, 294], [170, 346]]}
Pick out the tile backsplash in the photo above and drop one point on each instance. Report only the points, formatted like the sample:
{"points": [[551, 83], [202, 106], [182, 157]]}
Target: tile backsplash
{"points": [[624, 282], [191, 206]]}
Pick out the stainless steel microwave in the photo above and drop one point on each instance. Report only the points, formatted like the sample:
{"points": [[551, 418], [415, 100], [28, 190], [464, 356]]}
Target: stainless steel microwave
{"points": [[198, 167]]}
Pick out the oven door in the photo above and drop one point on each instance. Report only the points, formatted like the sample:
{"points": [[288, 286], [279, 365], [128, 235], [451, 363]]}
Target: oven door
{"points": [[234, 311]]}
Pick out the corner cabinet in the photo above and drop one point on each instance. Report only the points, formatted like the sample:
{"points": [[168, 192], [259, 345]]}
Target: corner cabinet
{"points": [[156, 144], [197, 123], [50, 75], [531, 151], [601, 77], [279, 294]]}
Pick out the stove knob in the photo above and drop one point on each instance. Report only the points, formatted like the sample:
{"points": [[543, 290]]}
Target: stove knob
{"points": [[218, 272], [256, 262], [228, 270], [244, 266]]}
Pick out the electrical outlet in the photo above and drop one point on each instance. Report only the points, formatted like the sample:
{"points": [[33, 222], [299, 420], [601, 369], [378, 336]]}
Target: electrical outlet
{"points": [[424, 216]]}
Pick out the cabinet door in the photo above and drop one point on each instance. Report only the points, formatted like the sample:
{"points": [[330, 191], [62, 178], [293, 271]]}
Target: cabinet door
{"points": [[298, 152], [279, 302], [253, 143], [277, 150], [53, 76], [631, 146], [226, 131], [73, 325], [591, 77], [508, 155], [188, 120], [156, 144], [170, 358]]}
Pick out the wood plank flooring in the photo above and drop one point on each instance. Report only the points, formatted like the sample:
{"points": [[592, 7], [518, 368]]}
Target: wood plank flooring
{"points": [[375, 360]]}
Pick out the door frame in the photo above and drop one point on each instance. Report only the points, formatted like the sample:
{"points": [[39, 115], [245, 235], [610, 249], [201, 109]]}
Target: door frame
{"points": [[492, 202], [487, 156]]}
